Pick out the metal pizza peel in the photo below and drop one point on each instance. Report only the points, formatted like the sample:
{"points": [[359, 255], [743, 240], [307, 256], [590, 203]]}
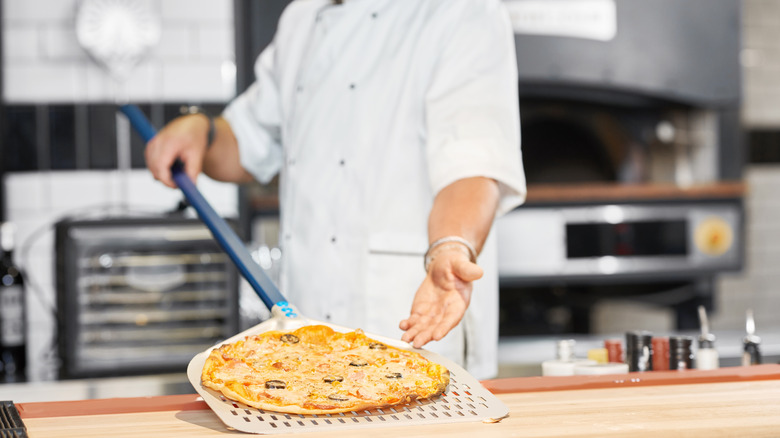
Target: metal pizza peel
{"points": [[465, 400]]}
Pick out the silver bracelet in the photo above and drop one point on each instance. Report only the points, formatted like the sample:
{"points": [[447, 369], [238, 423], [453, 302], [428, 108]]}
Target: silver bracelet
{"points": [[448, 239]]}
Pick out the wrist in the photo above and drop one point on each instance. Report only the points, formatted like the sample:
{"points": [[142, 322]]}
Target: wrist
{"points": [[449, 243], [194, 110]]}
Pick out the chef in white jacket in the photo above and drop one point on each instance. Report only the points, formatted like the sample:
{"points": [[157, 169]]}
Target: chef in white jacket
{"points": [[394, 126]]}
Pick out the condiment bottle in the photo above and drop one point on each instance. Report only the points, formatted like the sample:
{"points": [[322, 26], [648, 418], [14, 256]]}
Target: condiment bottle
{"points": [[565, 361], [600, 355], [639, 351], [660, 353], [680, 353], [707, 356], [751, 354], [614, 350]]}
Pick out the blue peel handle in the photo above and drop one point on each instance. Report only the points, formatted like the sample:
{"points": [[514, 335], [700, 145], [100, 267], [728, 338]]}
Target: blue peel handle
{"points": [[224, 235]]}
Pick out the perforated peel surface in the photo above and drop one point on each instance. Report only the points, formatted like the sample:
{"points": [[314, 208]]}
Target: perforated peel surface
{"points": [[465, 400]]}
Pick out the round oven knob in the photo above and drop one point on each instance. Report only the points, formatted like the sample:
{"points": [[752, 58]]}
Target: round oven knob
{"points": [[714, 236]]}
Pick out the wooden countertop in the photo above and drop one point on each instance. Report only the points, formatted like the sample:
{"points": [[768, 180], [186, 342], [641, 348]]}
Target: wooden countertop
{"points": [[727, 402]]}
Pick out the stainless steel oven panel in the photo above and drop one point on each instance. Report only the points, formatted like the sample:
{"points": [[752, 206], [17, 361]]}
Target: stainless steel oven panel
{"points": [[532, 241]]}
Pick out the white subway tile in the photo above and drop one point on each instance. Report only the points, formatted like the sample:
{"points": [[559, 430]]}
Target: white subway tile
{"points": [[212, 11], [216, 42], [196, 81], [99, 86], [21, 42], [758, 12], [760, 36], [177, 42], [143, 193], [43, 82], [78, 190], [26, 192], [141, 83], [222, 196], [145, 82], [60, 43], [39, 10]]}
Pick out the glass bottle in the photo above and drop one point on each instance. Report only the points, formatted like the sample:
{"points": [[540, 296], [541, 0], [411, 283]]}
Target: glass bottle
{"points": [[13, 356]]}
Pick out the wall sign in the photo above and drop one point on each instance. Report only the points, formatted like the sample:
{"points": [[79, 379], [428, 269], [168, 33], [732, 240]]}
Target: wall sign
{"points": [[589, 19]]}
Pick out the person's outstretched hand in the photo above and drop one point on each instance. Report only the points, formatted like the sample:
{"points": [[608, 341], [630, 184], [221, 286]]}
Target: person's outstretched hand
{"points": [[442, 299]]}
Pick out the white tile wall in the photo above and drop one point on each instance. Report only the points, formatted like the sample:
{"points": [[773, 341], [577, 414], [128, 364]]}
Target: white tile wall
{"points": [[42, 11], [35, 201], [758, 286], [21, 42], [205, 11], [180, 78], [761, 63], [176, 43], [43, 61], [35, 82]]}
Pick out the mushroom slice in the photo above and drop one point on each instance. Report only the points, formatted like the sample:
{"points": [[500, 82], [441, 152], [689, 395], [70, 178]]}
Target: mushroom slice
{"points": [[275, 384], [289, 338], [330, 378]]}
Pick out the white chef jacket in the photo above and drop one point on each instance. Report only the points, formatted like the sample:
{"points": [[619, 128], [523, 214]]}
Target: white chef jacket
{"points": [[367, 110]]}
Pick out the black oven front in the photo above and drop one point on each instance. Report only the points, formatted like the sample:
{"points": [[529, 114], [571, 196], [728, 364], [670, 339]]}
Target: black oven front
{"points": [[139, 296]]}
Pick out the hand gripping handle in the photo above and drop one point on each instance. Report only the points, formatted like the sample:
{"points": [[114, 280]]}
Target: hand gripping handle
{"points": [[225, 236]]}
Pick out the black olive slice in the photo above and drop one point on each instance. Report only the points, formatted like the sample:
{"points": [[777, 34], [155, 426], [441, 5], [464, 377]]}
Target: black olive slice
{"points": [[275, 384], [393, 375], [377, 346], [289, 338], [338, 397], [358, 363], [330, 378]]}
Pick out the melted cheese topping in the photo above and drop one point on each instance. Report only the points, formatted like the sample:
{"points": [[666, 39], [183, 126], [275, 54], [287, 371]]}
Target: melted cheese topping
{"points": [[324, 371]]}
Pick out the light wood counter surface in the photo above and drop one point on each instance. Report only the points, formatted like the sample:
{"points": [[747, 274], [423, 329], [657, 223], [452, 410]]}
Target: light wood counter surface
{"points": [[738, 402]]}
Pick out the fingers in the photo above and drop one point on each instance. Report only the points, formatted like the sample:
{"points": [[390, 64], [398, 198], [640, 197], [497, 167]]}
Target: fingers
{"points": [[159, 161], [421, 328], [420, 334], [414, 325], [452, 317], [179, 139], [193, 163]]}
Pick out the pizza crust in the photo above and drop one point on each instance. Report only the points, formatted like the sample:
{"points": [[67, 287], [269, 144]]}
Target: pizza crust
{"points": [[373, 375]]}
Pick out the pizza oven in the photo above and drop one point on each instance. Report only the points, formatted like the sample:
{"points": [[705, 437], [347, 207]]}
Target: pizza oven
{"points": [[633, 155]]}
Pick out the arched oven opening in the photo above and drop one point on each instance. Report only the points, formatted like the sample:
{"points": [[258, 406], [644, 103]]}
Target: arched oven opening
{"points": [[563, 150]]}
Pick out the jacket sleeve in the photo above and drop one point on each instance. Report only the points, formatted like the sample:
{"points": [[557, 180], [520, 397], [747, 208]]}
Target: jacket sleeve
{"points": [[255, 118], [472, 110]]}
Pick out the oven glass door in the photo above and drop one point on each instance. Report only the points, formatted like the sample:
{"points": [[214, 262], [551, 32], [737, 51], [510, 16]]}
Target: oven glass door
{"points": [[627, 239]]}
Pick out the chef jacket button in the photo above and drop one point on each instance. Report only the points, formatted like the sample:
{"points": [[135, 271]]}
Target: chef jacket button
{"points": [[333, 239], [327, 316], [352, 86], [299, 88], [374, 15], [341, 163]]}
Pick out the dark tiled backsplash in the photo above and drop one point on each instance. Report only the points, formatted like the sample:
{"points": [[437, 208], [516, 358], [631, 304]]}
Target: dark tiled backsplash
{"points": [[80, 136]]}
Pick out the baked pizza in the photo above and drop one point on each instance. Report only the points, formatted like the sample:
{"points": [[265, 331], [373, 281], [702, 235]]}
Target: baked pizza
{"points": [[316, 370]]}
